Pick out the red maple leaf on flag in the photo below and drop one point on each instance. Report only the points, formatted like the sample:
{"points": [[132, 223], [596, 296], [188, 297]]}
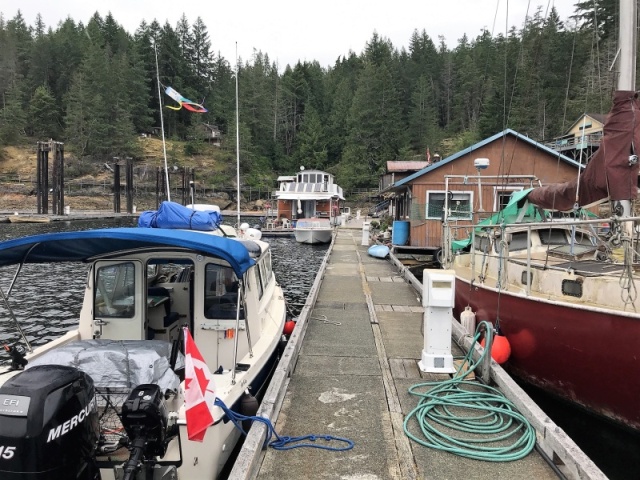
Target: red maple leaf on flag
{"points": [[199, 394]]}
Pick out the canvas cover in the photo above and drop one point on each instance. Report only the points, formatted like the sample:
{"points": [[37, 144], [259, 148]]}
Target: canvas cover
{"points": [[121, 364], [174, 215], [608, 174], [87, 245]]}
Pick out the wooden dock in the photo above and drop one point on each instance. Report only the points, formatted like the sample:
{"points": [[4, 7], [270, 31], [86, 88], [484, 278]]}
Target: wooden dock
{"points": [[346, 372]]}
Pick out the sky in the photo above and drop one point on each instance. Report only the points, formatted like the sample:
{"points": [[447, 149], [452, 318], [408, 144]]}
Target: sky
{"points": [[292, 30]]}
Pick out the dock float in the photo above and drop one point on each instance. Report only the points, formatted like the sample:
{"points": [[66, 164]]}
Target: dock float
{"points": [[346, 372]]}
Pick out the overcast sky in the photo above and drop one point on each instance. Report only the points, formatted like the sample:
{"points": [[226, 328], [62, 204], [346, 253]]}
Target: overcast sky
{"points": [[292, 30]]}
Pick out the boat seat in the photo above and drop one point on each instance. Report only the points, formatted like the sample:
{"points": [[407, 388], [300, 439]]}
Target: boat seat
{"points": [[161, 292]]}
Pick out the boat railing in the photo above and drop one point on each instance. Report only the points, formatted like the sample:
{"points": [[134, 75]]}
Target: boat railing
{"points": [[620, 231]]}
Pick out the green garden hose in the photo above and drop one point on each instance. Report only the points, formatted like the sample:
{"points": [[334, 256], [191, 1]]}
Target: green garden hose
{"points": [[469, 418]]}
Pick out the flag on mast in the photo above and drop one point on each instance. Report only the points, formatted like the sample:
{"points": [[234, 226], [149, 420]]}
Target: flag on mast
{"points": [[199, 392]]}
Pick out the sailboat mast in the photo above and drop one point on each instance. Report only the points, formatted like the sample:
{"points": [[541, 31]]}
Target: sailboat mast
{"points": [[627, 66], [237, 140], [164, 145], [627, 45]]}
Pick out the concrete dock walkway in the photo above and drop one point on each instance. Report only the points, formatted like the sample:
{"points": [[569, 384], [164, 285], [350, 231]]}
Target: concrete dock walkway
{"points": [[349, 375]]}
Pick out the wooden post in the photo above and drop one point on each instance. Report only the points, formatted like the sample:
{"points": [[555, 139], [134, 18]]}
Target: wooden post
{"points": [[129, 185], [116, 185]]}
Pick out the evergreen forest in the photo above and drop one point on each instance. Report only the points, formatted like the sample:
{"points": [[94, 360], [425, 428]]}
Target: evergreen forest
{"points": [[94, 87]]}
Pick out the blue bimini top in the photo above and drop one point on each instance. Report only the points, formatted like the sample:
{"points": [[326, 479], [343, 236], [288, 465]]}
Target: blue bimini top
{"points": [[88, 245]]}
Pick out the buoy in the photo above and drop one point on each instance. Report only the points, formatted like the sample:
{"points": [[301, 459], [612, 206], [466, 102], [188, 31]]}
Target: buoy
{"points": [[500, 349], [468, 320], [248, 407], [288, 327]]}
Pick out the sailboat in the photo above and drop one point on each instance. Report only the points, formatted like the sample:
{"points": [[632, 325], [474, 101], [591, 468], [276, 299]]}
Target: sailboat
{"points": [[565, 298]]}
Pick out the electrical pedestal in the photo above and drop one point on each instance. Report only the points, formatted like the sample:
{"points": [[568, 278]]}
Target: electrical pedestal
{"points": [[438, 294]]}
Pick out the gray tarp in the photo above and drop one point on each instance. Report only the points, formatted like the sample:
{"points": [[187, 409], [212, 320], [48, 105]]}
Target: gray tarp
{"points": [[122, 364]]}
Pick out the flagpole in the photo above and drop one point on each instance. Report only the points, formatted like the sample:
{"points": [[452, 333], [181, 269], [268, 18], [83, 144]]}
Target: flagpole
{"points": [[237, 140], [164, 146]]}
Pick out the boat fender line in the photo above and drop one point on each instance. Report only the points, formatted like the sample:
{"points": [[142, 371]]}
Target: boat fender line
{"points": [[491, 427], [284, 442]]}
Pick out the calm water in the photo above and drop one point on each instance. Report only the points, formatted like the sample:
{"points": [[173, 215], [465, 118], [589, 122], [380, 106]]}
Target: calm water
{"points": [[47, 299]]}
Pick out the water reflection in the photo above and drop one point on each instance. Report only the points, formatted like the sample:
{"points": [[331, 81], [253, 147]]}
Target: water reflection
{"points": [[47, 299]]}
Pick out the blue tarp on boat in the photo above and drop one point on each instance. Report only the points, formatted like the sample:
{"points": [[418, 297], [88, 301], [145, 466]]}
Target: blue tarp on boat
{"points": [[89, 244], [174, 215]]}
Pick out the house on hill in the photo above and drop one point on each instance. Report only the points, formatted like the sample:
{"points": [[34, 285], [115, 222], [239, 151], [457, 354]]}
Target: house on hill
{"points": [[509, 162], [582, 138]]}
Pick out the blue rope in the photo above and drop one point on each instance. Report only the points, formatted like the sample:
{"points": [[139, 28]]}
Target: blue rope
{"points": [[283, 443]]}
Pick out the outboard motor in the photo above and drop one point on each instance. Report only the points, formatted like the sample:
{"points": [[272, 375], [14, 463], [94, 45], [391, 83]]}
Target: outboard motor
{"points": [[144, 418], [48, 425]]}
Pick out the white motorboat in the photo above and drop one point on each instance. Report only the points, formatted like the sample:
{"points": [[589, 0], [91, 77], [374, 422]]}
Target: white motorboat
{"points": [[107, 399], [313, 230]]}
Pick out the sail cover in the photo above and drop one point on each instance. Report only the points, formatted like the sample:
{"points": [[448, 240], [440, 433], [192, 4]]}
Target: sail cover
{"points": [[609, 174]]}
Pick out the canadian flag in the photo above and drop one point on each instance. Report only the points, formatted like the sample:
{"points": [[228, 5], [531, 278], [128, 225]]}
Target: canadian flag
{"points": [[199, 392]]}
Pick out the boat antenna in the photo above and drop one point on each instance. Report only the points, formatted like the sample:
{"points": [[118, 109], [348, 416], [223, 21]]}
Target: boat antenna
{"points": [[164, 145], [237, 140]]}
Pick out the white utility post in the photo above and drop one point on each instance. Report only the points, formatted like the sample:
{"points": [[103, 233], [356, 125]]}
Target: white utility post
{"points": [[480, 164], [438, 294]]}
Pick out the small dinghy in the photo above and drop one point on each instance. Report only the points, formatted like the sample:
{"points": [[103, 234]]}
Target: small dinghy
{"points": [[379, 251]]}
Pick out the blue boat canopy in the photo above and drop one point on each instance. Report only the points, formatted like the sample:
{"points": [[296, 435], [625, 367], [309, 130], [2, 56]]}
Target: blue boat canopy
{"points": [[85, 245]]}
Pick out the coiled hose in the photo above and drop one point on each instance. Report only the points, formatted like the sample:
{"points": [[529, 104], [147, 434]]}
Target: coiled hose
{"points": [[469, 418]]}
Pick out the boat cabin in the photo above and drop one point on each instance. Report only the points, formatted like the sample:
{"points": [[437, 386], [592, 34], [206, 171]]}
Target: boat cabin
{"points": [[310, 193]]}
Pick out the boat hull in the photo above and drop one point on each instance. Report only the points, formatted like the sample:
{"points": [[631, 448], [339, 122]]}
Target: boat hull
{"points": [[312, 236], [587, 356]]}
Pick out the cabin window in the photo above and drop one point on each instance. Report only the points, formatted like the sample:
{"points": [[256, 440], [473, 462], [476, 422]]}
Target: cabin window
{"points": [[481, 243], [553, 236], [268, 268], [518, 241], [221, 291], [115, 291], [459, 205], [526, 278], [573, 288], [258, 282]]}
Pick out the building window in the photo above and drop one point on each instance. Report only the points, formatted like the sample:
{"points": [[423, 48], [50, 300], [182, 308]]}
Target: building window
{"points": [[502, 196], [459, 205]]}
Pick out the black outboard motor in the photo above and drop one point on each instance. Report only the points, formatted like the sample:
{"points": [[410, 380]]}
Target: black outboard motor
{"points": [[48, 425], [144, 418]]}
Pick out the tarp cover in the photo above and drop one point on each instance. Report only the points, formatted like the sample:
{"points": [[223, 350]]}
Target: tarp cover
{"points": [[608, 173], [122, 364], [174, 215], [510, 213]]}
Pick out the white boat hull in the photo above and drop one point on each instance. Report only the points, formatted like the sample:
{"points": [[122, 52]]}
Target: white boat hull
{"points": [[310, 235]]}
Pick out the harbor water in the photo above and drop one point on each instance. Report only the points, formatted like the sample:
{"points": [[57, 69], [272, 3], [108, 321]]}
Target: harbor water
{"points": [[47, 303]]}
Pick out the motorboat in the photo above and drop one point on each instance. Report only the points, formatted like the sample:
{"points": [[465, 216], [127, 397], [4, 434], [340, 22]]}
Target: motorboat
{"points": [[313, 230], [107, 399], [310, 194]]}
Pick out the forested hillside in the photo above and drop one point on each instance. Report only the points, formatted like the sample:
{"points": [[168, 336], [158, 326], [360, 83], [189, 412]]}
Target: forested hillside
{"points": [[94, 87]]}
